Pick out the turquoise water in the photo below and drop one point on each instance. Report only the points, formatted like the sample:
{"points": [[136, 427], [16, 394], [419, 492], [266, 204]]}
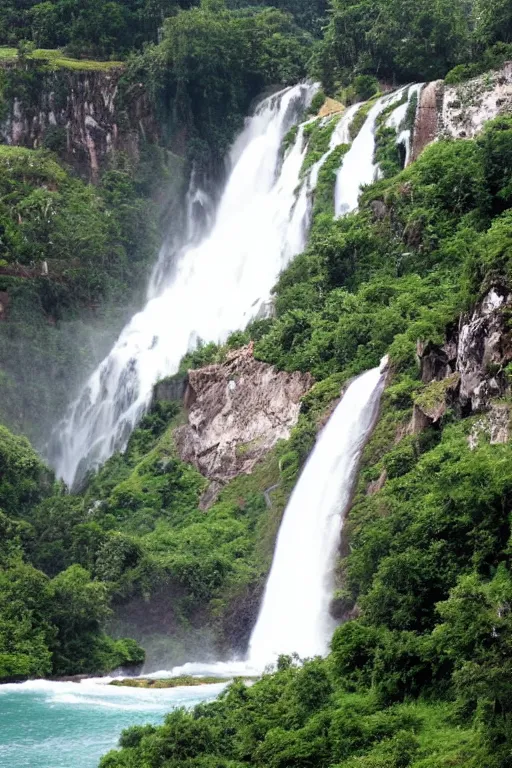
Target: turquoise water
{"points": [[71, 725]]}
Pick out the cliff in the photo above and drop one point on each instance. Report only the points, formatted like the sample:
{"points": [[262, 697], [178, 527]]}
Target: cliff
{"points": [[237, 411], [83, 115], [461, 111]]}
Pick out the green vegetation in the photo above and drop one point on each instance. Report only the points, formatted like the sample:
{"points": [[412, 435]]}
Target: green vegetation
{"points": [[318, 136], [397, 41], [56, 59], [72, 256], [211, 64], [47, 625]]}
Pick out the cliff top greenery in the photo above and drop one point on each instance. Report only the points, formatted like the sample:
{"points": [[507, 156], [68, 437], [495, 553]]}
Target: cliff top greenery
{"points": [[56, 59]]}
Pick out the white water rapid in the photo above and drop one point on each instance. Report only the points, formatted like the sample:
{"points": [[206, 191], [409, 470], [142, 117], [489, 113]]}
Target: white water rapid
{"points": [[216, 286]]}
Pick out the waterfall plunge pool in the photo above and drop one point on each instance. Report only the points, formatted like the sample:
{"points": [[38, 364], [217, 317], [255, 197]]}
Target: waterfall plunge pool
{"points": [[47, 724]]}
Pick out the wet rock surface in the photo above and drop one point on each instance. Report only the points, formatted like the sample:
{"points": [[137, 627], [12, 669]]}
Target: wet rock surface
{"points": [[79, 115]]}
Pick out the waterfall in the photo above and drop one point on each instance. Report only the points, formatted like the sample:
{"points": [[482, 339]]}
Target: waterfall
{"points": [[396, 120], [294, 614], [358, 166], [215, 284], [212, 287]]}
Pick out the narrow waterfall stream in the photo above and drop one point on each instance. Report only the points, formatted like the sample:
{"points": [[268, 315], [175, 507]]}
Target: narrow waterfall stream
{"points": [[294, 615]]}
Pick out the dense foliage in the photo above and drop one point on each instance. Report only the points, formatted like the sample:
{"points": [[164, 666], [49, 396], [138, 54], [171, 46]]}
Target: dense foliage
{"points": [[405, 41], [72, 256], [97, 28], [211, 64], [47, 625]]}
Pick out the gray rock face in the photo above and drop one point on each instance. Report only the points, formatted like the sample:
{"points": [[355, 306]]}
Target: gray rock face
{"points": [[79, 113], [468, 371], [484, 349], [238, 410]]}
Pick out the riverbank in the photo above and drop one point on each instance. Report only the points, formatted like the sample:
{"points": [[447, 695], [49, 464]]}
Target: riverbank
{"points": [[171, 682]]}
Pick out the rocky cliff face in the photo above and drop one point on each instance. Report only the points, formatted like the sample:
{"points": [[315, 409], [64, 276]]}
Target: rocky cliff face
{"points": [[460, 111], [237, 411], [471, 369], [82, 115]]}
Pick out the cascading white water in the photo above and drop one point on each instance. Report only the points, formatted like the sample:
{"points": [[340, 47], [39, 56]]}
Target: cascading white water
{"points": [[340, 135], [358, 166], [294, 615], [396, 120], [216, 286]]}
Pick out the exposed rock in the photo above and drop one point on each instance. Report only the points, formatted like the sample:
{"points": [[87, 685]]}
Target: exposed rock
{"points": [[172, 388], [78, 112], [426, 123], [468, 371], [377, 485], [436, 362], [493, 426], [469, 105], [331, 107], [379, 210], [431, 404], [484, 349], [238, 410]]}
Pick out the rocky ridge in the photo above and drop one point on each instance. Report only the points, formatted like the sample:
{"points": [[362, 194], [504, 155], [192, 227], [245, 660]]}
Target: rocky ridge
{"points": [[470, 370]]}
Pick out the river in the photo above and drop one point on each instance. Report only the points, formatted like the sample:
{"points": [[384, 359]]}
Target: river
{"points": [[71, 725]]}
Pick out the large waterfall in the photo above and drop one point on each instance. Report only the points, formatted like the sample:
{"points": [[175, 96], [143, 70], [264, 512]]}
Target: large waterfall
{"points": [[214, 287], [217, 284]]}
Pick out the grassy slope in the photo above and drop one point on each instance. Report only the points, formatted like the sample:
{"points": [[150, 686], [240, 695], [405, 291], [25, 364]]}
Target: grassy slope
{"points": [[57, 60]]}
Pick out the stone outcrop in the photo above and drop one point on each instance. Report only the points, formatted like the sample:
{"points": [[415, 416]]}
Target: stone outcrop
{"points": [[237, 411], [494, 425], [484, 349], [79, 115], [427, 117], [173, 388], [460, 111], [469, 370], [468, 106]]}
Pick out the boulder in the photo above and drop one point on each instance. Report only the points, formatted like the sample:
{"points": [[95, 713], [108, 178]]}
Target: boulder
{"points": [[237, 411]]}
